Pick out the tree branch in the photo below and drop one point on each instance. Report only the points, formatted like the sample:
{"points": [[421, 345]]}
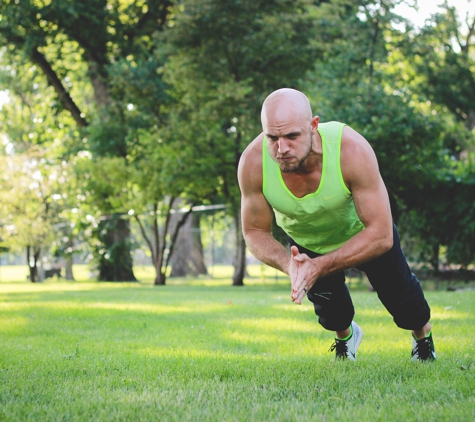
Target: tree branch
{"points": [[156, 229], [471, 31], [165, 230], [147, 240], [63, 95]]}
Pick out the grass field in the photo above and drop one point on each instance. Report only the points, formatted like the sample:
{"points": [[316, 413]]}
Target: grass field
{"points": [[201, 350]]}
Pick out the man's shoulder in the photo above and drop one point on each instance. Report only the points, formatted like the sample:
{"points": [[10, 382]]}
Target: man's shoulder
{"points": [[251, 160], [253, 153], [357, 156], [353, 142]]}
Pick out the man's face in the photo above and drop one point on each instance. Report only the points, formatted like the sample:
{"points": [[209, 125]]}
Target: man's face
{"points": [[289, 138]]}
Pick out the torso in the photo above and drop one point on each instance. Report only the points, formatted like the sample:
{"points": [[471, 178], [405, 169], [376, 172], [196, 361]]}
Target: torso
{"points": [[314, 207]]}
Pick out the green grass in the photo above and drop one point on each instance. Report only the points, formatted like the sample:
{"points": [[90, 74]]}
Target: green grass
{"points": [[201, 350]]}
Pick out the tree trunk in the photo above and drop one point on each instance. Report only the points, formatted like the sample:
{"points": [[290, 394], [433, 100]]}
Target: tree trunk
{"points": [[434, 259], [197, 255], [188, 257], [181, 258], [161, 277], [41, 273], [33, 255], [116, 264], [31, 265], [69, 268], [240, 258]]}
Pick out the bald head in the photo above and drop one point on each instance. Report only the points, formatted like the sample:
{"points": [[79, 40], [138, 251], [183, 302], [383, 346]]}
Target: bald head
{"points": [[284, 104]]}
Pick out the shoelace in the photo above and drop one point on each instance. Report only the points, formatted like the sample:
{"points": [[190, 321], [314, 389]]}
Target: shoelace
{"points": [[341, 348]]}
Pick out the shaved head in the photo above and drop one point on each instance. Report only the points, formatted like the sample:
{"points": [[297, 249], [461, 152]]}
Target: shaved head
{"points": [[289, 128], [286, 103]]}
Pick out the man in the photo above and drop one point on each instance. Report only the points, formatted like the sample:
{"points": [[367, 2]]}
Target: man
{"points": [[323, 184]]}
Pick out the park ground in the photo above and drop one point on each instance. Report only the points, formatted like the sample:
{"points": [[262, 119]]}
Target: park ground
{"points": [[202, 350]]}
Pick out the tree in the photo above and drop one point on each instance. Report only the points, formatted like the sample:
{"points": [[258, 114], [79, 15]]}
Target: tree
{"points": [[163, 175], [442, 54], [226, 57], [372, 77], [355, 84], [441, 73], [31, 203], [104, 42], [34, 139]]}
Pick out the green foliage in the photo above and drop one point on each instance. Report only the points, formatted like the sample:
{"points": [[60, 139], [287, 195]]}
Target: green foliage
{"points": [[31, 202], [31, 116], [111, 46], [24, 207], [389, 85], [149, 103], [266, 43], [442, 55], [446, 216], [227, 56], [440, 75]]}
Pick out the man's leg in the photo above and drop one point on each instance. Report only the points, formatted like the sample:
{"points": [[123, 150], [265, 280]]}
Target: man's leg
{"points": [[331, 299], [334, 308], [399, 290]]}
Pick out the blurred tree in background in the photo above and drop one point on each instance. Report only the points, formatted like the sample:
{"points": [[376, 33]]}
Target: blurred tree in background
{"points": [[225, 58], [399, 87], [143, 107], [110, 45], [442, 61]]}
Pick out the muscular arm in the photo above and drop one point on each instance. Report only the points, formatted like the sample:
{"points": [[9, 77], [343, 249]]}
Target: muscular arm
{"points": [[361, 173], [256, 213]]}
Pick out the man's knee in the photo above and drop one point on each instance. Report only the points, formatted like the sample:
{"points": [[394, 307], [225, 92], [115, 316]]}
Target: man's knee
{"points": [[334, 316]]}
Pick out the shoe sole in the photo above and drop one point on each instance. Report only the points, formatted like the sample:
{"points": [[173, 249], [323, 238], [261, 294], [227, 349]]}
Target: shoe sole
{"points": [[358, 340]]}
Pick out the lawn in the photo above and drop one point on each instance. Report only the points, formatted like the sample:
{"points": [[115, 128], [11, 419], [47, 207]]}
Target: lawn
{"points": [[201, 350]]}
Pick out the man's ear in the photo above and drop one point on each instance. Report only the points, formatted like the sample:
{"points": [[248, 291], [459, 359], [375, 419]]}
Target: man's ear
{"points": [[314, 122]]}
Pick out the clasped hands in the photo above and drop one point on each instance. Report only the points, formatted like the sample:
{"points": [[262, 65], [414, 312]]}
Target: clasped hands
{"points": [[303, 274]]}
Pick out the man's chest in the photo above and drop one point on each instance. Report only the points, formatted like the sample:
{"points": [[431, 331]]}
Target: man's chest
{"points": [[302, 184]]}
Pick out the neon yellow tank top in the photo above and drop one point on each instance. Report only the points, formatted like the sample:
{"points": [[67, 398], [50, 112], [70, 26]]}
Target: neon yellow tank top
{"points": [[321, 221]]}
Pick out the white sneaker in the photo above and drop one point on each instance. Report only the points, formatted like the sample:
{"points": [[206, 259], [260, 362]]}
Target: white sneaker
{"points": [[346, 349], [423, 349]]}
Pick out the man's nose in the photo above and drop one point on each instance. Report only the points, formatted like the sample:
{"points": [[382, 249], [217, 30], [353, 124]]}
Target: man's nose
{"points": [[283, 146]]}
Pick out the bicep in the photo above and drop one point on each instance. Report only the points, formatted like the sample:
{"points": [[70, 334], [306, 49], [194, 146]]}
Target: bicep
{"points": [[256, 213], [372, 202], [366, 184]]}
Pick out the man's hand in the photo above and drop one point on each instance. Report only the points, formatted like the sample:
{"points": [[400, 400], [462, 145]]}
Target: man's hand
{"points": [[302, 271]]}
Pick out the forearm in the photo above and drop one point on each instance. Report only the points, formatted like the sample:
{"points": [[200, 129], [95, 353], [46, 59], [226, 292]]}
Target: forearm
{"points": [[268, 250], [365, 246]]}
